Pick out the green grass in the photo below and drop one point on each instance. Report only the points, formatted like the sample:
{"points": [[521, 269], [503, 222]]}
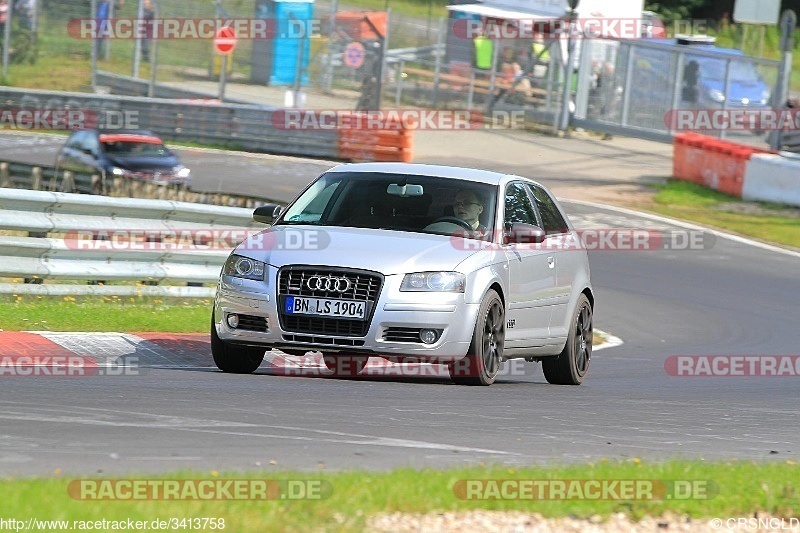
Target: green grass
{"points": [[123, 314], [743, 488], [763, 221]]}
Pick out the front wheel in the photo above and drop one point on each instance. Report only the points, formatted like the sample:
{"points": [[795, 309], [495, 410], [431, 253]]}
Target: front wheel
{"points": [[482, 363], [571, 366], [233, 358]]}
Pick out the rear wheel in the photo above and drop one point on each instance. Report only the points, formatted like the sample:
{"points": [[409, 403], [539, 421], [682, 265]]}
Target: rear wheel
{"points": [[346, 365], [571, 366], [482, 363], [234, 358]]}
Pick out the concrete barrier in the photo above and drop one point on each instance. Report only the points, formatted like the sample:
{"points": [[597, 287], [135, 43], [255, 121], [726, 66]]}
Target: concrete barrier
{"points": [[737, 169], [772, 178]]}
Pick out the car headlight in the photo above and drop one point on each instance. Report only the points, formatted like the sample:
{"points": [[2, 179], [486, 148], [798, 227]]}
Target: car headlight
{"points": [[716, 95], [765, 94], [244, 267], [182, 172], [118, 171], [434, 282]]}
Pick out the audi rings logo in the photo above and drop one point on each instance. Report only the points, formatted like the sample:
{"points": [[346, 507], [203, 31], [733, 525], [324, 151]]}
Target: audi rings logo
{"points": [[328, 284]]}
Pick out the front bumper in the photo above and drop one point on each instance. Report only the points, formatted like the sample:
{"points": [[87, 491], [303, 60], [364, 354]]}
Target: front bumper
{"points": [[445, 312]]}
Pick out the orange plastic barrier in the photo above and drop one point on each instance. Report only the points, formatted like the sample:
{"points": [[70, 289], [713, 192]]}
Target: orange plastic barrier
{"points": [[689, 155], [712, 162], [359, 140]]}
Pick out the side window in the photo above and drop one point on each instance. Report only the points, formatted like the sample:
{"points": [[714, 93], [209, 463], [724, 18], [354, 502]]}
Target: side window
{"points": [[76, 141], [552, 221], [518, 205], [91, 144]]}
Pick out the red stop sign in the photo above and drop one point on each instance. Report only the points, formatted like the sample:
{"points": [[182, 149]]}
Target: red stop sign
{"points": [[225, 40]]}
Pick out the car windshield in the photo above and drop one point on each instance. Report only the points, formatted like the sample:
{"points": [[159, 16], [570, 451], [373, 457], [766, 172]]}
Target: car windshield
{"points": [[150, 148], [399, 202], [714, 69]]}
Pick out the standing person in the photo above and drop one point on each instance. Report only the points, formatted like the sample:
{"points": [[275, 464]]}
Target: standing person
{"points": [[103, 9], [149, 14], [24, 9], [3, 19]]}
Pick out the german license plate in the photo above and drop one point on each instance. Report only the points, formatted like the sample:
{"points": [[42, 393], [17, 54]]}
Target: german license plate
{"points": [[295, 305]]}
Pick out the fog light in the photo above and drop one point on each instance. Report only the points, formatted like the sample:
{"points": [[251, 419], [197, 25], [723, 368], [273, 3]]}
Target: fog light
{"points": [[428, 336], [233, 321]]}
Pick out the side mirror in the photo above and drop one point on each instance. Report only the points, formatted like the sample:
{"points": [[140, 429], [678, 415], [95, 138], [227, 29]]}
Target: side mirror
{"points": [[521, 233], [267, 213]]}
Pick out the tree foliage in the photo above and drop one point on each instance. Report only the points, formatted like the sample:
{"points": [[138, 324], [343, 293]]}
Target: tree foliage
{"points": [[671, 10]]}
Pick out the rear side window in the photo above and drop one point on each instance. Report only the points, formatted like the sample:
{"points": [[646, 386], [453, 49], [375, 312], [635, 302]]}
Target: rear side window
{"points": [[552, 220], [518, 205]]}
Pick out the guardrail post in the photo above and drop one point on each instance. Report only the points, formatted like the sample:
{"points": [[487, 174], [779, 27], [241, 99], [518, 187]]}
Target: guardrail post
{"points": [[68, 182], [5, 175], [97, 185], [36, 178]]}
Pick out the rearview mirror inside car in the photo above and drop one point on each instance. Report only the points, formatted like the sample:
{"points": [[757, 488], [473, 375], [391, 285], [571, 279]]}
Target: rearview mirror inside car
{"points": [[404, 190]]}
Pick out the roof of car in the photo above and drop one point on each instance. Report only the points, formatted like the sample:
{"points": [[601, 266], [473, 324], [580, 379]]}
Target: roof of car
{"points": [[129, 137], [469, 174]]}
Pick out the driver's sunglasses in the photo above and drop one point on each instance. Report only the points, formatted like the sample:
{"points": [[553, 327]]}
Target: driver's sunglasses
{"points": [[464, 204]]}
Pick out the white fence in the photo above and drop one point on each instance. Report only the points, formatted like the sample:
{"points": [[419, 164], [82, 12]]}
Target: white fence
{"points": [[98, 239]]}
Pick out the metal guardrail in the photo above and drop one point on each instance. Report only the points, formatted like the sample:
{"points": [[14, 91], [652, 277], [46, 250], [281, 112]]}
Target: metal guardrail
{"points": [[129, 86], [246, 127], [79, 237], [18, 175]]}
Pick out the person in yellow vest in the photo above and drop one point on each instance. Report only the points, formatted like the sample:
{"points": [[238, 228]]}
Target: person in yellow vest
{"points": [[483, 52], [540, 59]]}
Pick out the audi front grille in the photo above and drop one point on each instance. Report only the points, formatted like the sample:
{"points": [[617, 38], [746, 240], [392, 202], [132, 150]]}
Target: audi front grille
{"points": [[339, 284]]}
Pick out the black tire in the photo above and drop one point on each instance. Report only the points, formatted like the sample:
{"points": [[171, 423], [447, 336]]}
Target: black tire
{"points": [[482, 363], [233, 358], [571, 366], [346, 365]]}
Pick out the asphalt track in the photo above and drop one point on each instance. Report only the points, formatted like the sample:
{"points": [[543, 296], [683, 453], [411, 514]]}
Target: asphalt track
{"points": [[176, 411]]}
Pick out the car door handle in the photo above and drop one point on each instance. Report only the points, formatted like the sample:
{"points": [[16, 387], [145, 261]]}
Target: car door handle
{"points": [[551, 262]]}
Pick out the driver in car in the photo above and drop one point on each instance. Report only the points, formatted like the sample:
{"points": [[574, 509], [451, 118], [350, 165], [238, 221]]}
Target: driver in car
{"points": [[468, 207]]}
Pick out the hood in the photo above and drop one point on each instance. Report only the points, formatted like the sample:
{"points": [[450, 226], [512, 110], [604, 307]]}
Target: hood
{"points": [[752, 90], [389, 252], [143, 163]]}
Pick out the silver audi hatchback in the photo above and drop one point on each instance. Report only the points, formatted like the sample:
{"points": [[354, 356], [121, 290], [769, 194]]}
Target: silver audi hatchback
{"points": [[415, 264]]}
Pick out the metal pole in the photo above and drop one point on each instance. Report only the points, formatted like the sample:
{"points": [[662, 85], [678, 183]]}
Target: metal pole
{"points": [[677, 87], [437, 69], [222, 76], [726, 91], [7, 37], [471, 89], [298, 73], [401, 66], [493, 75], [93, 56], [107, 51], [626, 96], [384, 50], [151, 89], [565, 97], [744, 37], [329, 66], [137, 47], [780, 94]]}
